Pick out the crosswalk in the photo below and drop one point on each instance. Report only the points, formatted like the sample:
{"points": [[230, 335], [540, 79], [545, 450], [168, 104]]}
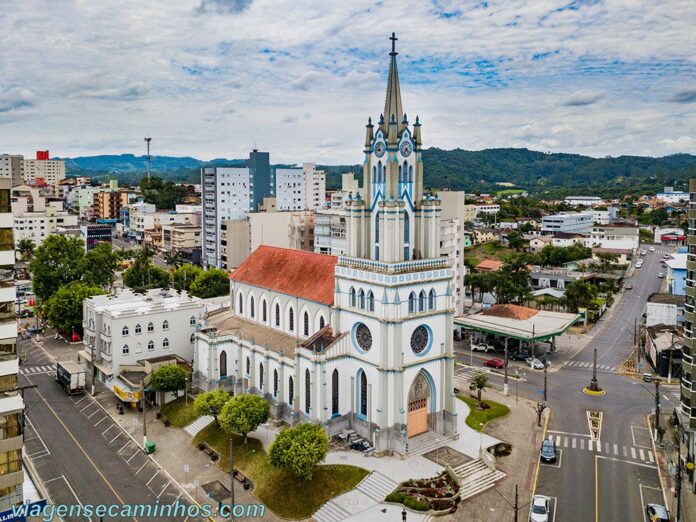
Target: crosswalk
{"points": [[28, 370], [641, 454], [588, 366]]}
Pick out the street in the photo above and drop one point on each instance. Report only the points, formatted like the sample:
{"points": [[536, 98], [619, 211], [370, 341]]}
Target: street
{"points": [[122, 244]]}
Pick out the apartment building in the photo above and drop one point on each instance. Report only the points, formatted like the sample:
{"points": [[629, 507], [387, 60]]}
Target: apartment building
{"points": [[488, 208], [11, 402], [108, 204], [623, 236], [143, 221], [43, 170], [80, 200], [37, 226], [451, 247], [290, 189], [240, 237], [176, 238], [315, 187], [12, 167], [330, 232], [571, 222]]}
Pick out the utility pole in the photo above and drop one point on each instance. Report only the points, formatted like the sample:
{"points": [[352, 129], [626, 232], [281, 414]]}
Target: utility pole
{"points": [[546, 366], [517, 503], [678, 486], [231, 481], [657, 407], [149, 158], [94, 365], [142, 402], [505, 384]]}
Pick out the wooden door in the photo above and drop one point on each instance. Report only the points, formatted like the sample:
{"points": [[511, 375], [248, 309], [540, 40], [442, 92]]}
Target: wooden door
{"points": [[417, 417]]}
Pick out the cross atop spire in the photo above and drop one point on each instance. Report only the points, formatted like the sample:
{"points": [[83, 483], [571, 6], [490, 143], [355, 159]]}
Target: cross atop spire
{"points": [[393, 39]]}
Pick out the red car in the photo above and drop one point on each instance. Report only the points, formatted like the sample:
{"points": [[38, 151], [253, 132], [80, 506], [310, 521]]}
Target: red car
{"points": [[494, 363]]}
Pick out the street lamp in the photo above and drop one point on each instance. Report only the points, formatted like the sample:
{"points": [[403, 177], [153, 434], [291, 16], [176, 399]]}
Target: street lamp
{"points": [[480, 438]]}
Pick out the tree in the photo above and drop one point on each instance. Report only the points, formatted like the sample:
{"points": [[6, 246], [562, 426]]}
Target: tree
{"points": [[172, 259], [480, 382], [56, 263], [210, 403], [579, 294], [211, 283], [25, 248], [63, 310], [143, 275], [171, 378], [164, 194], [515, 240], [607, 260], [513, 282], [243, 413], [300, 449], [99, 265], [184, 276]]}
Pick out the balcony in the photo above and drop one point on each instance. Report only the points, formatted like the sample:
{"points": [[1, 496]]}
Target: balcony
{"points": [[393, 268]]}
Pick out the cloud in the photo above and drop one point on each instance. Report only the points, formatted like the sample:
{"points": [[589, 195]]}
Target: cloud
{"points": [[305, 81], [583, 98], [682, 143], [116, 93], [289, 119], [223, 6], [684, 96], [15, 99]]}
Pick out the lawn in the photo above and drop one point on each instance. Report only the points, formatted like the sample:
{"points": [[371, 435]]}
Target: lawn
{"points": [[283, 493], [179, 413], [492, 250], [476, 416]]}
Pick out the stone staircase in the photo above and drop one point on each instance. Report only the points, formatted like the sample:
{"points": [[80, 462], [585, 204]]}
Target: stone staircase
{"points": [[197, 425], [331, 512], [377, 486], [475, 477], [425, 443]]}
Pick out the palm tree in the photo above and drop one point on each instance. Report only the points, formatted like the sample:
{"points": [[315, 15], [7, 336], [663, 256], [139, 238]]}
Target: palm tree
{"points": [[25, 248], [480, 382], [579, 294]]}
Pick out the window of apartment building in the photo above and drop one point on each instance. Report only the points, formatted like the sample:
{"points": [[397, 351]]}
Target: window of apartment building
{"points": [[10, 462], [6, 242], [7, 276], [10, 426], [8, 382], [5, 201], [7, 310], [8, 349]]}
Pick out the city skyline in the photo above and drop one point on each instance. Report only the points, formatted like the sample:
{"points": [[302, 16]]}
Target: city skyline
{"points": [[215, 78]]}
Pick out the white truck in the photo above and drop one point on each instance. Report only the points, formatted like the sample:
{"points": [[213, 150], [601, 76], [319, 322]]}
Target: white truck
{"points": [[71, 376]]}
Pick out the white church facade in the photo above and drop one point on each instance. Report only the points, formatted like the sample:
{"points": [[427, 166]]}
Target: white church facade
{"points": [[361, 341]]}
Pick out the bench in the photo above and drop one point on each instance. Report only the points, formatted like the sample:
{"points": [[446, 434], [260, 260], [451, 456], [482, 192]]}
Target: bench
{"points": [[208, 450], [246, 482]]}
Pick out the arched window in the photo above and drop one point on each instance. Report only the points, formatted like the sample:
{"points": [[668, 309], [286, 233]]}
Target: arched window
{"points": [[308, 393], [165, 325], [150, 327], [322, 323], [165, 343], [126, 350], [240, 308], [431, 299], [374, 175], [334, 393], [305, 326], [407, 228], [277, 315], [192, 321], [248, 366], [405, 172], [351, 296], [361, 299], [138, 329], [124, 332], [192, 338], [410, 174], [370, 301], [291, 391], [362, 402], [252, 310], [275, 383], [151, 345], [421, 301], [412, 303], [261, 376], [380, 172], [291, 320], [223, 364], [401, 179], [264, 317]]}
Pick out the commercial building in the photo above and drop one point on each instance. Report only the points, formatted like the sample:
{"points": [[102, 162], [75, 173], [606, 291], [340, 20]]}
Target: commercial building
{"points": [[619, 236], [330, 231], [43, 170], [122, 331], [11, 402], [664, 309], [37, 226], [487, 209], [95, 234], [676, 274], [229, 193], [584, 201], [672, 197], [176, 238], [279, 229], [573, 222], [12, 167]]}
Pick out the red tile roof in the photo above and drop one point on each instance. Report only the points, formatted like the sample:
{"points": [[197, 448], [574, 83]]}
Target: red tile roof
{"points": [[511, 311], [294, 272], [488, 265]]}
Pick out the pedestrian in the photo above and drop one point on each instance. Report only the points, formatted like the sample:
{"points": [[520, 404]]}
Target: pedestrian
{"points": [[403, 515]]}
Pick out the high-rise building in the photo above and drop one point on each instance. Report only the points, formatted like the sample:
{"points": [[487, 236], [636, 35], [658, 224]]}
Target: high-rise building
{"points": [[687, 412], [315, 187], [229, 193], [11, 403], [290, 189], [12, 166], [43, 170]]}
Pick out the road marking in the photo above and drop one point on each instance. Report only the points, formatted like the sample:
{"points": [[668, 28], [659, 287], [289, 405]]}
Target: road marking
{"points": [[134, 454], [633, 452], [38, 454], [642, 454], [82, 399], [93, 413], [616, 449], [650, 457], [151, 478], [596, 488], [565, 442], [558, 440], [599, 447], [666, 398], [606, 447], [116, 437], [141, 467], [107, 429], [102, 420], [582, 444], [625, 453], [83, 409], [31, 424], [123, 447], [569, 433], [574, 441], [165, 487], [589, 444]]}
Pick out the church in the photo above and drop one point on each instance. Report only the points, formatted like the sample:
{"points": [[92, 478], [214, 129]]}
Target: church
{"points": [[361, 341]]}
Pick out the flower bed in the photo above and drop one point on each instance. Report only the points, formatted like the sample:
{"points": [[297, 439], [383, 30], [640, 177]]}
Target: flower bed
{"points": [[437, 495]]}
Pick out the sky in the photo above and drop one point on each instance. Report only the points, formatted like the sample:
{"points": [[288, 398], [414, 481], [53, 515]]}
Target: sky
{"points": [[216, 78]]}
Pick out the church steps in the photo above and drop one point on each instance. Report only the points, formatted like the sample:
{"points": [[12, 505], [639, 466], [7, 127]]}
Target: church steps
{"points": [[427, 442], [331, 512], [377, 486], [475, 477]]}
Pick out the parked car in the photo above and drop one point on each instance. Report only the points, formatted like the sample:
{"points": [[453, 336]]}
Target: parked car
{"points": [[534, 363], [639, 263], [548, 451], [666, 256], [539, 511], [647, 377], [643, 252], [519, 356], [651, 249], [656, 513], [495, 363], [661, 275], [628, 286], [481, 347]]}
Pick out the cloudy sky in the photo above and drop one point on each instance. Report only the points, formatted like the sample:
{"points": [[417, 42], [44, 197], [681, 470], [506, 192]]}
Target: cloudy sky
{"points": [[213, 78]]}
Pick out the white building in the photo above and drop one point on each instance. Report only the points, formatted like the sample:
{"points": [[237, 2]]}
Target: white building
{"points": [[51, 171], [573, 222], [584, 201], [487, 209], [290, 189], [37, 226], [11, 402], [121, 330], [362, 341], [81, 199], [330, 232], [12, 167], [672, 197], [619, 236], [315, 187]]}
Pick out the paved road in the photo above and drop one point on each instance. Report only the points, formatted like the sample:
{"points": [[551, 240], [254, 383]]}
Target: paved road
{"points": [[613, 477], [126, 245], [80, 454]]}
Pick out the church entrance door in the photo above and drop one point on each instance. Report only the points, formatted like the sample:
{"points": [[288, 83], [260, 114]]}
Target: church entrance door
{"points": [[418, 398]]}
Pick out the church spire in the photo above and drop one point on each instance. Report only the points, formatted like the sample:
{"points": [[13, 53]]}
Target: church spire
{"points": [[392, 104]]}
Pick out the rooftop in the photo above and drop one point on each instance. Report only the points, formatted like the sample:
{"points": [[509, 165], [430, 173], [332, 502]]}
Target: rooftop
{"points": [[518, 322], [678, 262], [293, 272], [127, 301], [678, 300], [488, 265]]}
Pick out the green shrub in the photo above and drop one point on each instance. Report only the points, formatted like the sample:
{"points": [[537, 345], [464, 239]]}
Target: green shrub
{"points": [[415, 504], [397, 497]]}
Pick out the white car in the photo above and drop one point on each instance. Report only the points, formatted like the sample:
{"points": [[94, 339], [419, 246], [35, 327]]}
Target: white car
{"points": [[639, 264], [661, 275], [481, 347], [651, 249], [535, 363], [539, 510], [643, 252]]}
